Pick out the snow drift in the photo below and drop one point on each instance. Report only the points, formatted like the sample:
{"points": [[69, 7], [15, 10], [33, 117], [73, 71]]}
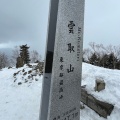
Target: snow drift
{"points": [[22, 101]]}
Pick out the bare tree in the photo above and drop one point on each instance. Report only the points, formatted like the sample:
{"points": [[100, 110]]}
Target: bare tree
{"points": [[99, 50], [35, 56], [4, 62], [15, 55], [115, 51], [107, 56], [86, 54]]}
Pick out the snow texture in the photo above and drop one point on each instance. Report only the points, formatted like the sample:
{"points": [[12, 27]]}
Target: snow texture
{"points": [[22, 102]]}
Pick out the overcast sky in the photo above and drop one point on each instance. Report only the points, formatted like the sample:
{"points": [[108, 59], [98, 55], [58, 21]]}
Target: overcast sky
{"points": [[25, 21]]}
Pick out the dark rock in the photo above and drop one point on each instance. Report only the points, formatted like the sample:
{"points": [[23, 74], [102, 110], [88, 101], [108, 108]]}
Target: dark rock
{"points": [[25, 73], [15, 80], [9, 67], [36, 79], [30, 71], [19, 83], [26, 81], [16, 73], [29, 77], [29, 65]]}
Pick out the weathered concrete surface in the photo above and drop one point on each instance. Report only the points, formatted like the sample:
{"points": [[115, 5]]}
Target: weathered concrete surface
{"points": [[99, 85], [102, 108]]}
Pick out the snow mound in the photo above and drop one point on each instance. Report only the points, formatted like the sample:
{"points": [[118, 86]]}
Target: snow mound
{"points": [[27, 74], [22, 101], [19, 102], [111, 94]]}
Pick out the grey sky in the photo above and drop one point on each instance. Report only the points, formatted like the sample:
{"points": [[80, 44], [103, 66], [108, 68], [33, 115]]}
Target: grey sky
{"points": [[102, 22], [25, 21]]}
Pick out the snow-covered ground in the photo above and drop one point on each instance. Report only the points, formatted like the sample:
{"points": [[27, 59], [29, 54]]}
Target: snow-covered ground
{"points": [[19, 102], [22, 102], [111, 94]]}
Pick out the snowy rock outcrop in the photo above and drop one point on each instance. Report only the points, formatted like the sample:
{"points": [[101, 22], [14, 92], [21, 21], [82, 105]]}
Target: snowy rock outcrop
{"points": [[27, 74]]}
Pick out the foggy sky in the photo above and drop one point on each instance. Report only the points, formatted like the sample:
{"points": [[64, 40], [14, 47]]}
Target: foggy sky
{"points": [[102, 22], [25, 21]]}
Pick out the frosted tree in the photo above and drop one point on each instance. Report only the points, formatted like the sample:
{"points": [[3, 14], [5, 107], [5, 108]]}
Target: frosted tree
{"points": [[15, 55], [4, 62], [35, 56], [24, 54]]}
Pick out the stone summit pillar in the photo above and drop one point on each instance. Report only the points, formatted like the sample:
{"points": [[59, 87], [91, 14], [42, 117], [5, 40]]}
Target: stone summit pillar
{"points": [[60, 98]]}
